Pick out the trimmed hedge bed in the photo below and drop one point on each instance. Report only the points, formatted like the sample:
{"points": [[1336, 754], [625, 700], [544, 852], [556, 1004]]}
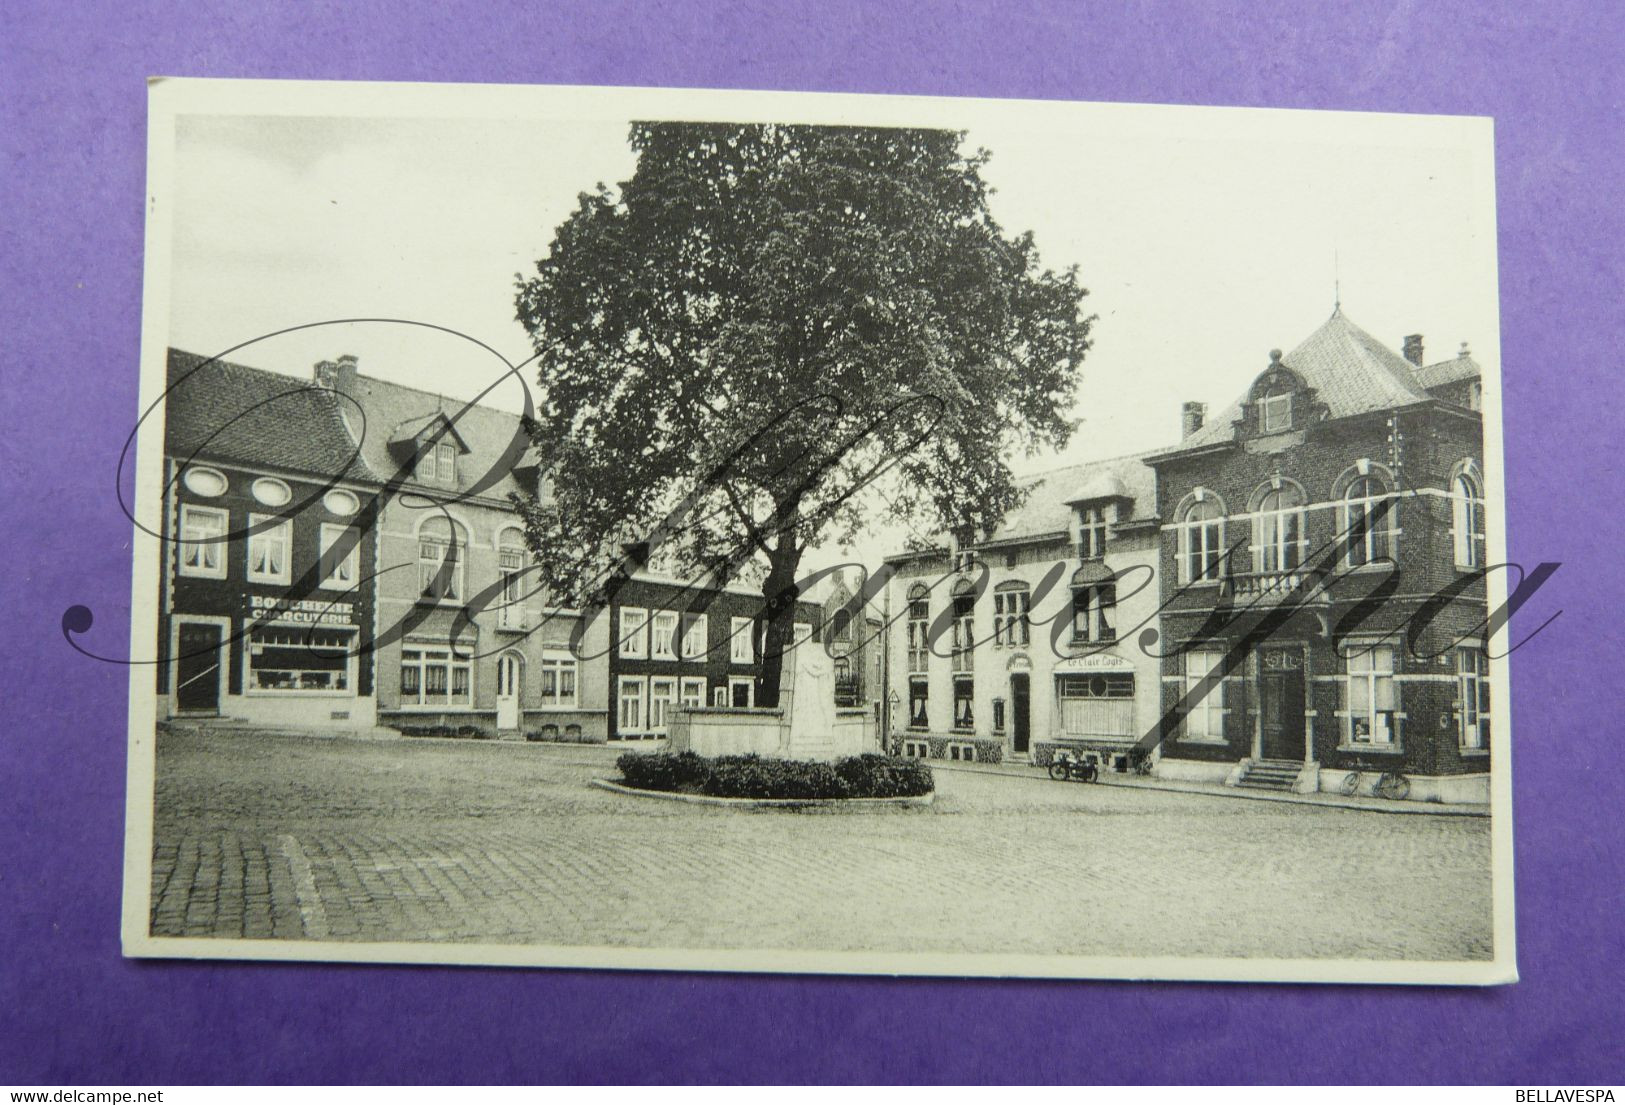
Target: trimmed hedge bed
{"points": [[868, 776]]}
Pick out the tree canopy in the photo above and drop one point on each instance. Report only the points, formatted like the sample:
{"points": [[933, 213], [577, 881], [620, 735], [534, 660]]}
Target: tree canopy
{"points": [[771, 331]]}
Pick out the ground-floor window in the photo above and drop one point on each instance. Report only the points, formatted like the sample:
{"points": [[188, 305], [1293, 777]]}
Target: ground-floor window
{"points": [[965, 753], [742, 691], [435, 677], [1099, 704], [662, 693], [964, 700], [629, 709], [557, 672], [1370, 696], [296, 658], [919, 699], [916, 750], [693, 693], [1204, 719], [1473, 697]]}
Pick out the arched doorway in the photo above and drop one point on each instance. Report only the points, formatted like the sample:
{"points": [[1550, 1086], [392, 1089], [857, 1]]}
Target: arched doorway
{"points": [[510, 681]]}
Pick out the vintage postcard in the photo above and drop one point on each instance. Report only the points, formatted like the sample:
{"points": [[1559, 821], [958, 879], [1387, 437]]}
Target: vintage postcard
{"points": [[734, 531]]}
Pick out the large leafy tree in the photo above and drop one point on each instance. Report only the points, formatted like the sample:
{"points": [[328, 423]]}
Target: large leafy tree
{"points": [[771, 332]]}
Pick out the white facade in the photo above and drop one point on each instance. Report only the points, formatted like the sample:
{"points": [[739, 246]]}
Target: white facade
{"points": [[1028, 641]]}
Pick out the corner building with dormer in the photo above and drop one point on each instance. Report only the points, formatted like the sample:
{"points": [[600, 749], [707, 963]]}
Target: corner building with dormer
{"points": [[1321, 562], [1015, 644]]}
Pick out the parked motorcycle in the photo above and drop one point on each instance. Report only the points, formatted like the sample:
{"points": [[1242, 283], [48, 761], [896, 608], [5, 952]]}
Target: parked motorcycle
{"points": [[1074, 765]]}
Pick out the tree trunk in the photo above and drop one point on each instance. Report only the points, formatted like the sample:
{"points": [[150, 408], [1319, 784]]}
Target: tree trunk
{"points": [[779, 594]]}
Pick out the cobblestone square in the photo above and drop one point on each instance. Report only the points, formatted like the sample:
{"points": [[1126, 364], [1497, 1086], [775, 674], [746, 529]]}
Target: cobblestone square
{"points": [[278, 837]]}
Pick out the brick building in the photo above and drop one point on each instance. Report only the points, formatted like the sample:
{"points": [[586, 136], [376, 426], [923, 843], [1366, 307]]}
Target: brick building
{"points": [[1305, 530], [266, 611], [675, 644]]}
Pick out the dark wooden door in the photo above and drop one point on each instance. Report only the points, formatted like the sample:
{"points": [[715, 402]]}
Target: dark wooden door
{"points": [[197, 668], [1020, 720], [1281, 704]]}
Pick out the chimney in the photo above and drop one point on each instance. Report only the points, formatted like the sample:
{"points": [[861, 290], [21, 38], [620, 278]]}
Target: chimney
{"points": [[1413, 349], [1191, 415], [339, 375]]}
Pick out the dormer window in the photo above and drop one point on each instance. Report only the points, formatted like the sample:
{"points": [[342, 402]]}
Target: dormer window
{"points": [[1091, 533], [1275, 413], [438, 464]]}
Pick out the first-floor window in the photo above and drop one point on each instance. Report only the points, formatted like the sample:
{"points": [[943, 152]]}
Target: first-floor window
{"points": [[203, 535], [693, 695], [663, 635], [339, 567], [435, 677], [1204, 719], [964, 699], [741, 641], [662, 693], [511, 568], [1370, 699], [268, 549], [558, 675], [294, 658], [695, 645], [1012, 624], [1473, 697], [1094, 613], [629, 713], [919, 698], [634, 632]]}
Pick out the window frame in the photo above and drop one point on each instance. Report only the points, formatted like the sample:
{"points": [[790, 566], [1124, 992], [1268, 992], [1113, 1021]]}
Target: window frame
{"points": [[1467, 520], [1272, 546], [203, 543], [661, 725], [1209, 551], [632, 632], [1211, 709], [694, 628], [964, 720], [300, 634], [1372, 679], [918, 623], [664, 627], [1012, 616], [741, 640], [639, 725], [1092, 533], [439, 656], [329, 535], [749, 683], [688, 683], [1376, 544], [963, 652], [553, 666], [1095, 605], [919, 690], [1473, 690], [281, 532], [1277, 404]]}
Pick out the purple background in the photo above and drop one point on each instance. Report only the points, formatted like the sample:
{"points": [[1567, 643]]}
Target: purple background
{"points": [[70, 280]]}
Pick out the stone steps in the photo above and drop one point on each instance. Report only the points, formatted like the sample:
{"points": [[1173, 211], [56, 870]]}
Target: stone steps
{"points": [[1277, 775]]}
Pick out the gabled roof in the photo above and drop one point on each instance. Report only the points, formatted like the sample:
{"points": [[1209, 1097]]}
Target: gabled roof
{"points": [[408, 432], [1351, 372], [1457, 368], [1049, 505], [230, 412], [394, 409]]}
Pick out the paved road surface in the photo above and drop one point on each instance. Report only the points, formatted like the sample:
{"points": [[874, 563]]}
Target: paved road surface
{"points": [[277, 837]]}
